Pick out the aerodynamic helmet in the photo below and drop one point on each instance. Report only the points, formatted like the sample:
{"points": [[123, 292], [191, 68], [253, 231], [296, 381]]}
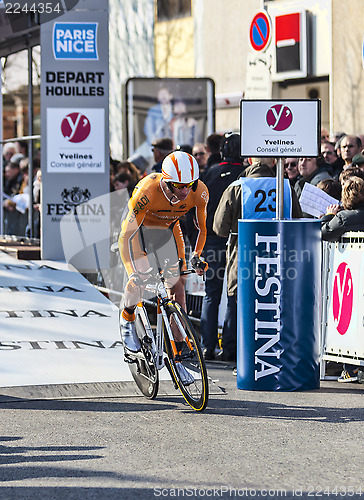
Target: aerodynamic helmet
{"points": [[180, 167]]}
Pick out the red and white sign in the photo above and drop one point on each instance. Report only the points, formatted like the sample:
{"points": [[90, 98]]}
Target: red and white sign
{"points": [[75, 140], [291, 44], [260, 31]]}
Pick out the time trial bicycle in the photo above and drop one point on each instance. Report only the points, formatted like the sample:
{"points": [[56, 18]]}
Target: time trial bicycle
{"points": [[172, 343]]}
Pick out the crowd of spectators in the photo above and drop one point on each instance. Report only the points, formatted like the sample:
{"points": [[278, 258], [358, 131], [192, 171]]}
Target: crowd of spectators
{"points": [[338, 170], [16, 189]]}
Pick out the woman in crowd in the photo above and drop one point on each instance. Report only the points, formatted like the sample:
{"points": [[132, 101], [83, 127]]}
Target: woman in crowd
{"points": [[350, 217]]}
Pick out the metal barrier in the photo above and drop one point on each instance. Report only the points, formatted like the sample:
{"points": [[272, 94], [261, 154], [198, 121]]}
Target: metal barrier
{"points": [[29, 139]]}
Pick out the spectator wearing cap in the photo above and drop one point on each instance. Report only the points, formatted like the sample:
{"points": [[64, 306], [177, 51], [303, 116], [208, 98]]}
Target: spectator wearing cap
{"points": [[161, 148], [8, 151], [184, 147], [358, 161], [17, 157], [141, 164]]}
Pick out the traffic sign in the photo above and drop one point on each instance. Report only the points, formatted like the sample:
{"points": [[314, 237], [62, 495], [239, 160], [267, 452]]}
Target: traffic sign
{"points": [[260, 31]]}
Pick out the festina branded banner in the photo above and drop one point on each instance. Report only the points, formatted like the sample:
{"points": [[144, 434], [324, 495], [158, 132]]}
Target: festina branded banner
{"points": [[56, 328], [279, 276], [75, 122], [345, 318]]}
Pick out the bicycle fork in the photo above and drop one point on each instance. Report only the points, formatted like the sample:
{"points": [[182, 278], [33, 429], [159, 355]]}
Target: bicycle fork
{"points": [[176, 353]]}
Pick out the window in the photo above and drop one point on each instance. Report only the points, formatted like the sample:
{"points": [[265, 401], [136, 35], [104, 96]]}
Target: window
{"points": [[171, 9]]}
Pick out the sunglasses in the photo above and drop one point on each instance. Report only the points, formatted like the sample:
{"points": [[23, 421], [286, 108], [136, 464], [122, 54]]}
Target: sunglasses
{"points": [[177, 185], [292, 164]]}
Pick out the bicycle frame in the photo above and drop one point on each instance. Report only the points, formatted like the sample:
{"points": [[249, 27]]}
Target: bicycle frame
{"points": [[157, 340]]}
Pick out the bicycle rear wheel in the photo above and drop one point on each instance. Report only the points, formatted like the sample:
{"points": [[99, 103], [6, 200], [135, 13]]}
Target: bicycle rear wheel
{"points": [[143, 368], [186, 351]]}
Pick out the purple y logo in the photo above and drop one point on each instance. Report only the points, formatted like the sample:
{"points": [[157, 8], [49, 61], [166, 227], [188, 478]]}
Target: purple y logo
{"points": [[279, 117], [75, 127]]}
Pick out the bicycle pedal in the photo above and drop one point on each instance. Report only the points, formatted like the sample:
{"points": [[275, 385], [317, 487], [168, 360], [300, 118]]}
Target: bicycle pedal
{"points": [[130, 360], [147, 340]]}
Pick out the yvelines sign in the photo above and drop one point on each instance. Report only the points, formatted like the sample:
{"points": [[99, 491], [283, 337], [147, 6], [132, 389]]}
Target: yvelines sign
{"points": [[280, 128]]}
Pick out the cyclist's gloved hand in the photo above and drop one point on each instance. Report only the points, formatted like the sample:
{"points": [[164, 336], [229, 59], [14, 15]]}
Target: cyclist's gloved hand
{"points": [[199, 265], [137, 279]]}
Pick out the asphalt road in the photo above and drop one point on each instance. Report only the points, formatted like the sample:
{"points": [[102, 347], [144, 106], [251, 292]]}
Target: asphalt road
{"points": [[246, 444]]}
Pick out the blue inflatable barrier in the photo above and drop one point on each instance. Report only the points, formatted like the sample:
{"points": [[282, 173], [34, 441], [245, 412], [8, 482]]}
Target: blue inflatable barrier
{"points": [[279, 281]]}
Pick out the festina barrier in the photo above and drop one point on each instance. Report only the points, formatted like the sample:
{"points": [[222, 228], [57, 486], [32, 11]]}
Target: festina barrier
{"points": [[343, 300], [279, 292]]}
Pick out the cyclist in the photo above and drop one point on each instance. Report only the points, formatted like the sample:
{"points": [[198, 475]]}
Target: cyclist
{"points": [[157, 203]]}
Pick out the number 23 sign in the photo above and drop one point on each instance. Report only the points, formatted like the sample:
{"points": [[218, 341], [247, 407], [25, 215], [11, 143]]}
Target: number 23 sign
{"points": [[258, 198]]}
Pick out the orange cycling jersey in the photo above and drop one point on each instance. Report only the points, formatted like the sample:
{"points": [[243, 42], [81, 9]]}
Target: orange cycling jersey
{"points": [[149, 206]]}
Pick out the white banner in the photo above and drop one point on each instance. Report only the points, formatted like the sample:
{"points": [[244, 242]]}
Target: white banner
{"points": [[345, 313], [55, 327]]}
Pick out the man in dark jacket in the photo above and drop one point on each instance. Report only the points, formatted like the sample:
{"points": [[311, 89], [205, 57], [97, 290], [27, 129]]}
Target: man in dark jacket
{"points": [[217, 178], [161, 148], [213, 143], [228, 213]]}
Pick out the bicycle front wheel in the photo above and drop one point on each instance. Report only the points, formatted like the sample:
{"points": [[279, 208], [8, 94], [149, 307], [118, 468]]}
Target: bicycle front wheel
{"points": [[143, 368], [185, 357]]}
